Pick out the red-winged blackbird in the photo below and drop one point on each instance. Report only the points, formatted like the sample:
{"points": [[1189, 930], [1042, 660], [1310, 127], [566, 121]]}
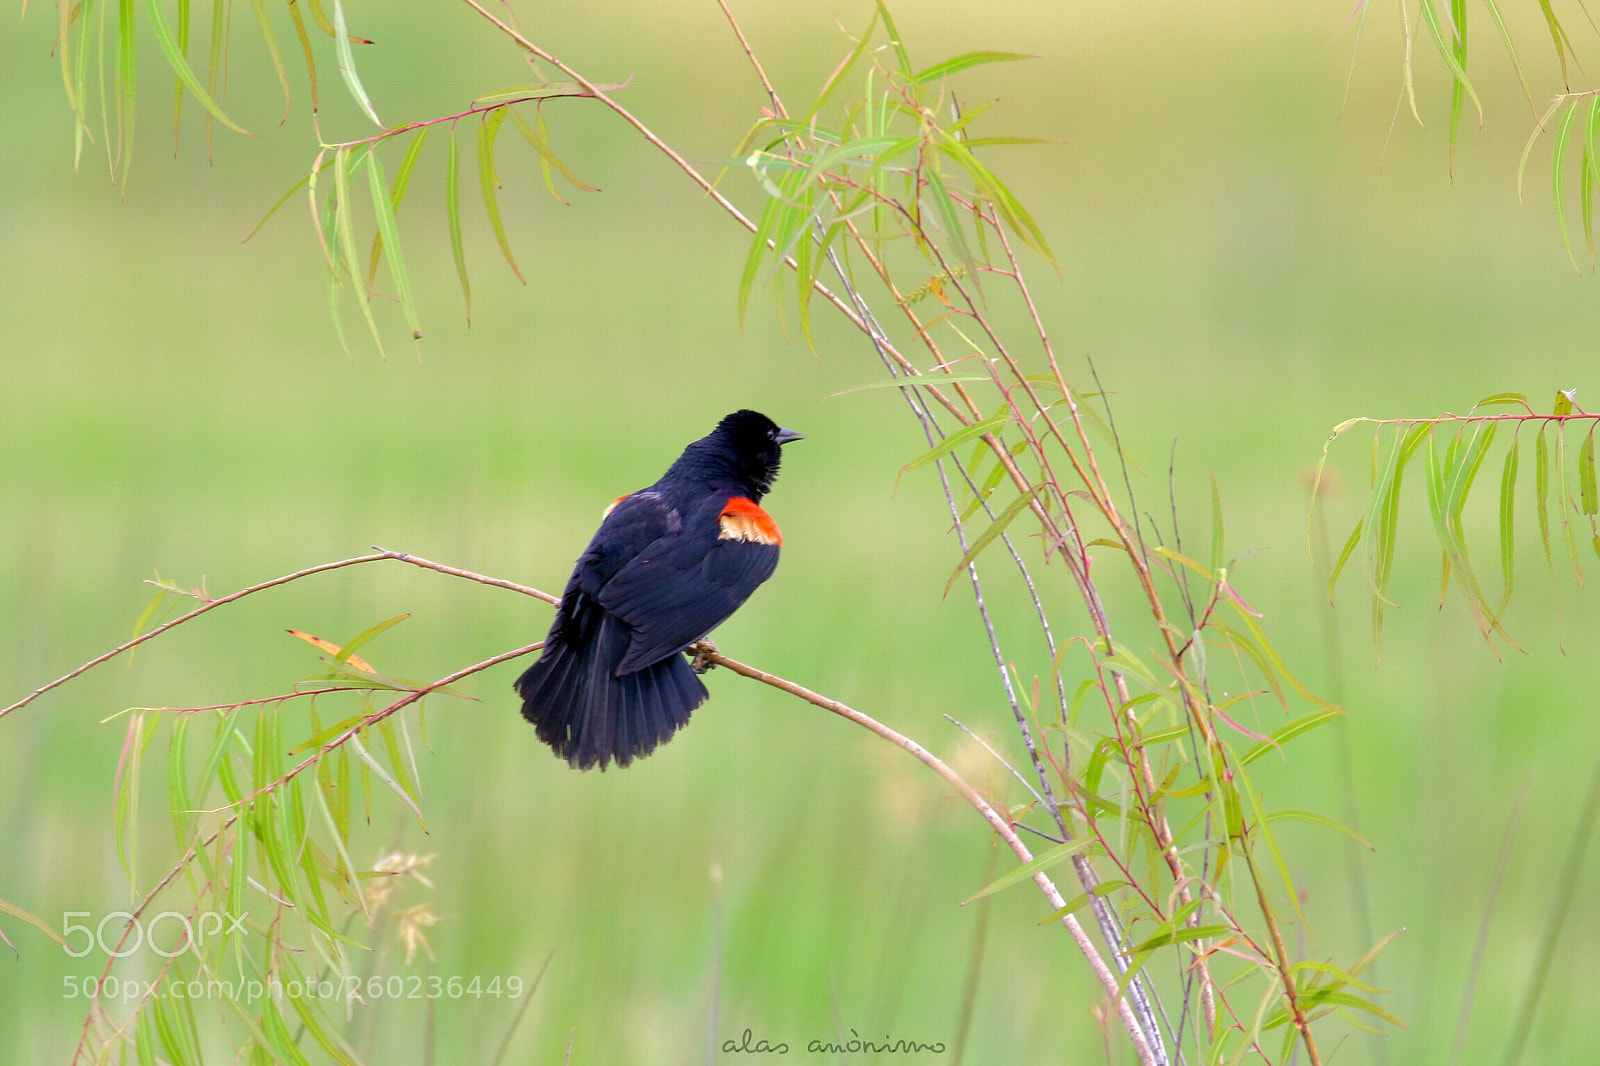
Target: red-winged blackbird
{"points": [[668, 564]]}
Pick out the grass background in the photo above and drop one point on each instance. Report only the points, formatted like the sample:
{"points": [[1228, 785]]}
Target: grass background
{"points": [[1244, 273]]}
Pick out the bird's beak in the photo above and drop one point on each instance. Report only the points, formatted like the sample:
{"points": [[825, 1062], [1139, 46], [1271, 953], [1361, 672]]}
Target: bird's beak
{"points": [[786, 435]]}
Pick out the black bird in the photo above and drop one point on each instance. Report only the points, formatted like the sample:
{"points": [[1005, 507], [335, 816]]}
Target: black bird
{"points": [[668, 565]]}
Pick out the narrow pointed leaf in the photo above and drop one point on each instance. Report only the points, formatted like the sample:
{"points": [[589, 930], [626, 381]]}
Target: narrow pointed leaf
{"points": [[345, 221], [180, 67], [1038, 864], [402, 180], [1586, 481], [383, 208], [347, 64], [264, 24], [966, 60], [305, 50], [452, 202], [1508, 492], [489, 181], [1304, 724], [1313, 818], [955, 440], [987, 537], [388, 779], [1527, 148], [1557, 159]]}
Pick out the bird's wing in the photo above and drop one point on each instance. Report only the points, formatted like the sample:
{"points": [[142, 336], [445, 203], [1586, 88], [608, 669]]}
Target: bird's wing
{"points": [[630, 526], [682, 586]]}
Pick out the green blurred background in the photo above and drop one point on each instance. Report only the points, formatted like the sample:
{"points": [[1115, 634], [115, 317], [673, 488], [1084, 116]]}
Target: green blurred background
{"points": [[1241, 254]]}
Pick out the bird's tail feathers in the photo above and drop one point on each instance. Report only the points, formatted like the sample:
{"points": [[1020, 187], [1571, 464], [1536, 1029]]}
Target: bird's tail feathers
{"points": [[591, 716]]}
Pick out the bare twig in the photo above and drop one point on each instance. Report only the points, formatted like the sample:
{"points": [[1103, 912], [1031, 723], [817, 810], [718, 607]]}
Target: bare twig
{"points": [[1001, 826], [174, 623]]}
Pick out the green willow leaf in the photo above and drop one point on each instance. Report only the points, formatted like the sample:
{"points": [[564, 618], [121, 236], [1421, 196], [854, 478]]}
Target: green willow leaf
{"points": [[842, 69], [328, 1039], [181, 36], [1541, 481], [38, 923], [402, 181], [366, 636], [383, 208], [489, 182], [1511, 48], [1344, 556], [902, 60], [1180, 936], [180, 67], [1458, 18], [1319, 996], [1557, 157], [347, 64], [1587, 175], [174, 1036], [1038, 864], [1558, 35], [1505, 399], [988, 536], [321, 165], [305, 50], [144, 1043], [957, 439], [1539, 127], [549, 163], [966, 61], [388, 779], [345, 223], [178, 781], [1447, 51], [1568, 535], [452, 203], [1076, 903], [127, 50], [912, 382], [264, 24], [1313, 818], [347, 868], [765, 226], [1508, 493], [1309, 974], [1304, 724], [1586, 482]]}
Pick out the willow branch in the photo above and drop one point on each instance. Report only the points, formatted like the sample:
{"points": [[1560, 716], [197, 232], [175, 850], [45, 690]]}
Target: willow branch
{"points": [[996, 821], [379, 555], [209, 605]]}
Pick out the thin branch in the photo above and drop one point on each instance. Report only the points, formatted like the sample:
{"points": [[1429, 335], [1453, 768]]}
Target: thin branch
{"points": [[766, 82], [380, 555], [453, 571], [197, 612], [478, 109], [1000, 825]]}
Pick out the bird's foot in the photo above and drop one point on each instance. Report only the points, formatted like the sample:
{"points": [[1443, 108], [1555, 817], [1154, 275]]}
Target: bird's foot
{"points": [[700, 661]]}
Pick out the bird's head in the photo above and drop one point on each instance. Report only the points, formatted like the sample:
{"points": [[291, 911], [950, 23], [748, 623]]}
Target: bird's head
{"points": [[753, 443]]}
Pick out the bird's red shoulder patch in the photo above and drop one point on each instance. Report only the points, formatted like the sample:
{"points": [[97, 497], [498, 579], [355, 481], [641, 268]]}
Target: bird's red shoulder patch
{"points": [[743, 520], [612, 506]]}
